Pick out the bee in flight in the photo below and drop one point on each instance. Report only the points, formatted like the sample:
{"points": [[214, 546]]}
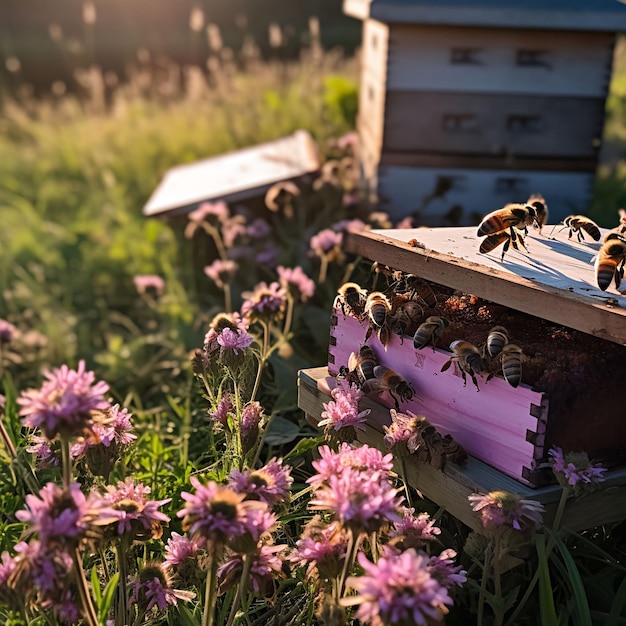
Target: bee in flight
{"points": [[505, 226], [430, 331], [467, 356], [351, 298], [580, 224], [387, 379], [610, 261]]}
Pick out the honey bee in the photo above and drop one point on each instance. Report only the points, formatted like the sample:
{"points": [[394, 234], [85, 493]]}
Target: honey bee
{"points": [[468, 358], [377, 307], [417, 286], [511, 356], [610, 261], [580, 224], [430, 331], [351, 297], [538, 201], [387, 379], [406, 315], [438, 449], [497, 338], [362, 364], [503, 226]]}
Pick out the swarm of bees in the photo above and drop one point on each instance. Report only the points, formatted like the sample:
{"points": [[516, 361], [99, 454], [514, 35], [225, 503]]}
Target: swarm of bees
{"points": [[399, 308], [510, 224]]}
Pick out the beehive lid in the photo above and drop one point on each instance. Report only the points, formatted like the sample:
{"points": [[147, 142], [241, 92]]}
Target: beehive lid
{"points": [[599, 15], [554, 281], [235, 176]]}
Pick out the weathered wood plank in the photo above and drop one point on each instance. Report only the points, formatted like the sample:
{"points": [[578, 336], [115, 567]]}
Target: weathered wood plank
{"points": [[420, 58], [492, 123], [449, 488], [555, 281]]}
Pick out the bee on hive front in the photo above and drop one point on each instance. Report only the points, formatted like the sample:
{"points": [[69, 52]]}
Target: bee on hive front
{"points": [[511, 356], [362, 364], [351, 297], [497, 338], [438, 449], [610, 261], [430, 331], [387, 379], [405, 315], [506, 226], [580, 224], [468, 358]]}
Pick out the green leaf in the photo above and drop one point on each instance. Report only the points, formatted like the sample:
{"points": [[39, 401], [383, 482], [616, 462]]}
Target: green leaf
{"points": [[95, 586], [282, 431], [107, 597], [186, 618], [546, 596], [578, 588], [617, 606], [303, 446]]}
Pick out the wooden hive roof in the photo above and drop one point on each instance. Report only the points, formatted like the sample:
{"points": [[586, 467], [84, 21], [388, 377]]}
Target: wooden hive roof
{"points": [[577, 15]]}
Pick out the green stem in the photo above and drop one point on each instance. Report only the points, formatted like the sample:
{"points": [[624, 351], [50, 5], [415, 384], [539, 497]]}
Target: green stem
{"points": [[228, 301], [323, 269], [288, 316], [122, 548], [210, 594], [402, 463], [89, 612], [483, 585], [66, 462], [219, 244], [262, 359], [558, 517], [499, 613], [247, 564], [353, 545]]}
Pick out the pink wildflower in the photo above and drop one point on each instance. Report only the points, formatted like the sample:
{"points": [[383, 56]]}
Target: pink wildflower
{"points": [[209, 211], [179, 548], [7, 566], [153, 589], [362, 457], [403, 433], [224, 407], [131, 512], [265, 567], [233, 340], [325, 241], [500, 510], [221, 272], [42, 449], [251, 417], [413, 531], [270, 483], [57, 514], [145, 282], [443, 569], [360, 500], [398, 589], [64, 403], [574, 469], [322, 547], [295, 280], [343, 411], [265, 302], [217, 513], [7, 330]]}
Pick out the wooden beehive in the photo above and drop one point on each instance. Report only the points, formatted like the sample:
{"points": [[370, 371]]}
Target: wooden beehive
{"points": [[511, 429], [465, 105]]}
